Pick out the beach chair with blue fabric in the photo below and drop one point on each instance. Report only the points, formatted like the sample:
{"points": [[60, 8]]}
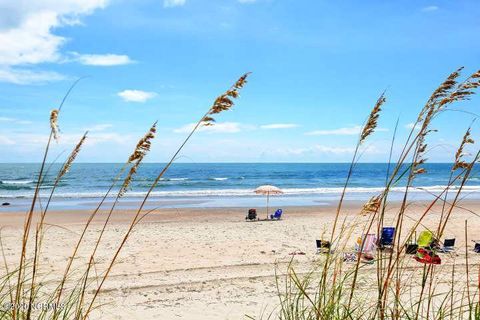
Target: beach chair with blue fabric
{"points": [[448, 245], [476, 247], [277, 215], [386, 238]]}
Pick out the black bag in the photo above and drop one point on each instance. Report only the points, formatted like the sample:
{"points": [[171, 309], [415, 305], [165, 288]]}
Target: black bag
{"points": [[412, 248]]}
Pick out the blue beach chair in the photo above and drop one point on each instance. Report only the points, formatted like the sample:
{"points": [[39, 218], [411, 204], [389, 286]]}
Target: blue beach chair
{"points": [[448, 245], [386, 238], [277, 215]]}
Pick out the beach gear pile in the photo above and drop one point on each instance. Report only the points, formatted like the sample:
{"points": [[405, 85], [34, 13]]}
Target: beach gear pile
{"points": [[427, 248]]}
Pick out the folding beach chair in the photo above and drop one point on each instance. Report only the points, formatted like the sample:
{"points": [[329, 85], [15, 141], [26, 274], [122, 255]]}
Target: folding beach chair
{"points": [[252, 215], [476, 248], [386, 238], [366, 247], [277, 215], [427, 245], [448, 245], [323, 246]]}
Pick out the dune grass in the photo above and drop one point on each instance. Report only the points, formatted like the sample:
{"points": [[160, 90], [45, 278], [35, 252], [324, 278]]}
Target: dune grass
{"points": [[26, 294], [389, 289]]}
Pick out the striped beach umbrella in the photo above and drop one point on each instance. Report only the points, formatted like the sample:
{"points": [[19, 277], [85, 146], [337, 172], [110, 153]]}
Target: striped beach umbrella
{"points": [[268, 190]]}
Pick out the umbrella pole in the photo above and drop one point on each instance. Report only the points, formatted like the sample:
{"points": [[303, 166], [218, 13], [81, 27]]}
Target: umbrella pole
{"points": [[268, 199]]}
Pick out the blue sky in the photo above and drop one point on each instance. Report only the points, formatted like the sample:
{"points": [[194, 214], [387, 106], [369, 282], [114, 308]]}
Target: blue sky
{"points": [[318, 67]]}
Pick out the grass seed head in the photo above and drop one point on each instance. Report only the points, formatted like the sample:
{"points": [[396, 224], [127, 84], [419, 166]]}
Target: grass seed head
{"points": [[460, 163], [68, 164], [54, 123], [372, 206], [371, 124], [225, 101], [143, 145]]}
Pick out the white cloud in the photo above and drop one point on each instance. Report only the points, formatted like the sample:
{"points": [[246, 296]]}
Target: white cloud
{"points": [[321, 149], [23, 76], [15, 121], [336, 132], [32, 140], [99, 127], [113, 137], [103, 60], [27, 38], [173, 3], [430, 8], [334, 150], [325, 150], [24, 122], [136, 95], [6, 141], [411, 125], [219, 127], [279, 126], [346, 131]]}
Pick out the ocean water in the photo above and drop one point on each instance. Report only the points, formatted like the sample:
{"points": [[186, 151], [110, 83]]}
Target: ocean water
{"points": [[221, 184]]}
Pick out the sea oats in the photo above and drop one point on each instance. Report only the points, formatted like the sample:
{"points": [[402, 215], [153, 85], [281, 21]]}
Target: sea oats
{"points": [[372, 205], [128, 179], [371, 124], [448, 92], [444, 90], [208, 121], [460, 163], [141, 150], [54, 123], [66, 167], [225, 101], [420, 160], [143, 145]]}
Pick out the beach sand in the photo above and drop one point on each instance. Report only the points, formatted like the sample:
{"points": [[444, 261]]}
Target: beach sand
{"points": [[205, 263]]}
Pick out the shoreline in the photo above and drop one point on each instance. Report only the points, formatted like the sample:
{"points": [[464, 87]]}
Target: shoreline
{"points": [[132, 201], [11, 215]]}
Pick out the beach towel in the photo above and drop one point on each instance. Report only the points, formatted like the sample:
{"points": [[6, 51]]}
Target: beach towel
{"points": [[349, 257], [427, 256]]}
